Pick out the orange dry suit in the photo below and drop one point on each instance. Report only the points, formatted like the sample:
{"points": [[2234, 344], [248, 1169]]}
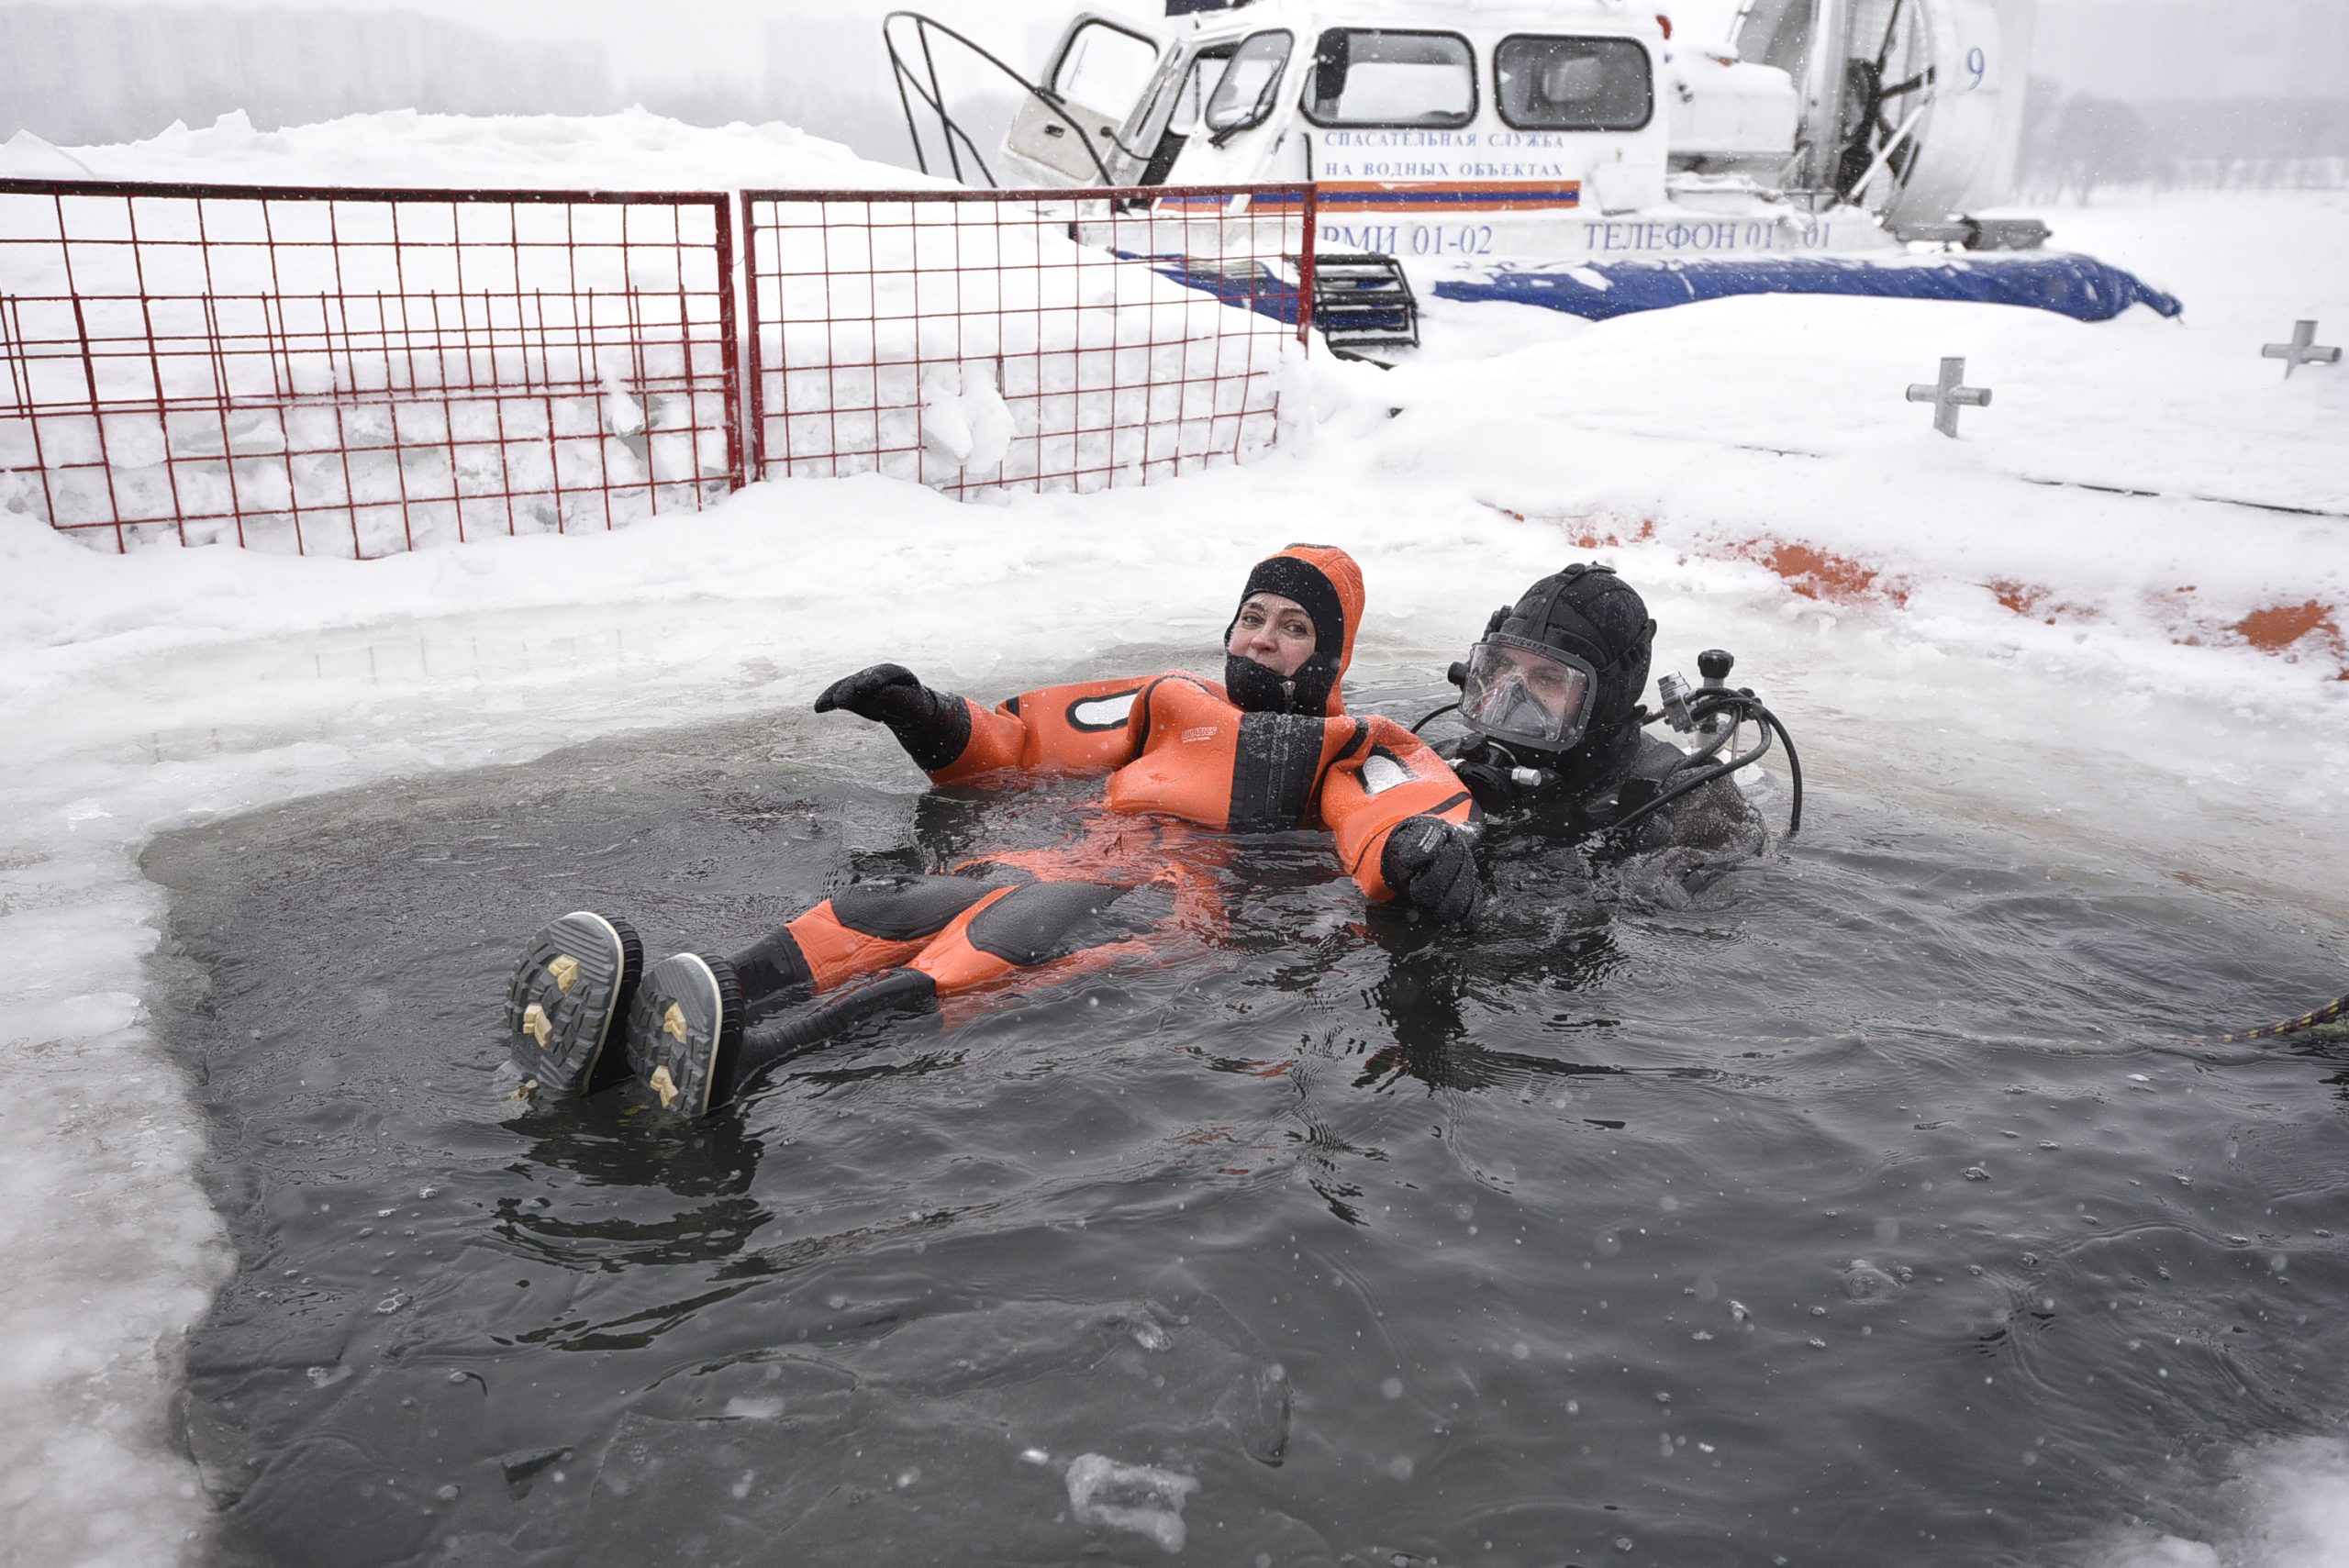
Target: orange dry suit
{"points": [[1256, 753]]}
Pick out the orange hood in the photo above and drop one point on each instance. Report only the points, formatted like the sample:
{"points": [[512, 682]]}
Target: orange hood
{"points": [[1325, 580]]}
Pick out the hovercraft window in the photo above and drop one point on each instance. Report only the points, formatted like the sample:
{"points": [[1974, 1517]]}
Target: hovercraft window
{"points": [[1103, 68], [1552, 84], [1374, 76], [1198, 89], [1244, 97]]}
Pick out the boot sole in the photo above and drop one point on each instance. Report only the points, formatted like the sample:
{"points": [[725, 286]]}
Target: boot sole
{"points": [[685, 1032], [579, 976]]}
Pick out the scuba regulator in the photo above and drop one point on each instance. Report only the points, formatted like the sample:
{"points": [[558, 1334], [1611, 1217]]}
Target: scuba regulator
{"points": [[1714, 712]]}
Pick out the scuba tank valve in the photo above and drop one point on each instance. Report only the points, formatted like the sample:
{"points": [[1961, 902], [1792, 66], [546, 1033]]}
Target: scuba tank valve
{"points": [[1714, 665], [1717, 711]]}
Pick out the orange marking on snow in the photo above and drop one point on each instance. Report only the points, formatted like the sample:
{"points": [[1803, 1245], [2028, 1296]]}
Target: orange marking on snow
{"points": [[2289, 632], [2023, 598], [2286, 629], [2280, 626], [1582, 531], [2033, 602], [1819, 574]]}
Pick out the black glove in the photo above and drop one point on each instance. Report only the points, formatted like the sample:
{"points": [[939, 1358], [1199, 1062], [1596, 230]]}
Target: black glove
{"points": [[879, 692], [933, 726], [1428, 863]]}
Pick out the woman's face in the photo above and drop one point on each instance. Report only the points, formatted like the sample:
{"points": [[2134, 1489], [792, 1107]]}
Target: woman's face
{"points": [[1274, 632]]}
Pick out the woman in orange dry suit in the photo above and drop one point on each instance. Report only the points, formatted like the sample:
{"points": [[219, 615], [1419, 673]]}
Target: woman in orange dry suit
{"points": [[1270, 749]]}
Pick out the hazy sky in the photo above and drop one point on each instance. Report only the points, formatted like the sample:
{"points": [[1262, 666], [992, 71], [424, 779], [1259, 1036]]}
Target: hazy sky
{"points": [[681, 41], [726, 40]]}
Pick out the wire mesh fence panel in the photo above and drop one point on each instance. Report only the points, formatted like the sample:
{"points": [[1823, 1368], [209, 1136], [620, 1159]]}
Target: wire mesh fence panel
{"points": [[360, 372], [986, 341]]}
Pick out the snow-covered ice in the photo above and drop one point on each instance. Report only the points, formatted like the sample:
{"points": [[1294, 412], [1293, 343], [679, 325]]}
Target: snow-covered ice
{"points": [[1960, 624], [2288, 1506]]}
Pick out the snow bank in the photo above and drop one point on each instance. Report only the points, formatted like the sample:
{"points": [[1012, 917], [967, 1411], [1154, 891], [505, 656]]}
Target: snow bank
{"points": [[554, 368], [2289, 1507], [880, 322]]}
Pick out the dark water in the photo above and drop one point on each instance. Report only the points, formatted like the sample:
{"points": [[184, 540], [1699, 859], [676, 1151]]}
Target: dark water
{"points": [[1848, 1216]]}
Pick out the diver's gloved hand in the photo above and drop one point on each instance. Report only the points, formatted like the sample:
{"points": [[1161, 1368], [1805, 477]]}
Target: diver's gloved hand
{"points": [[883, 692], [933, 726], [1428, 864]]}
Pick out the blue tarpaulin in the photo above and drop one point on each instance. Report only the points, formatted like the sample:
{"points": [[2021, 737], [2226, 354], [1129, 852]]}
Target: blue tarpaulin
{"points": [[2078, 286], [1251, 286]]}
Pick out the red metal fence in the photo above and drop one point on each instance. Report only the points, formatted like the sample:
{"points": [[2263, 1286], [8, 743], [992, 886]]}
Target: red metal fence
{"points": [[979, 341], [361, 372]]}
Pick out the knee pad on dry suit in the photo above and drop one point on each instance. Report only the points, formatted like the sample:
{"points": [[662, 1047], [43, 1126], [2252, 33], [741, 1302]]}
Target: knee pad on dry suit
{"points": [[902, 911], [864, 927], [1036, 924], [1051, 928], [1048, 920]]}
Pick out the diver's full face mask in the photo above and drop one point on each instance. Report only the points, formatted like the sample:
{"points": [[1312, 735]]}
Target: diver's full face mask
{"points": [[1523, 694]]}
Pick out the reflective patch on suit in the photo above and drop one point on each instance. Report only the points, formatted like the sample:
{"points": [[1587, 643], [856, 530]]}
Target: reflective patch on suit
{"points": [[1097, 714], [1382, 771]]}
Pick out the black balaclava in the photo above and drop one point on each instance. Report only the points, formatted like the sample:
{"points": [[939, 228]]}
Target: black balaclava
{"points": [[1255, 689], [1590, 612]]}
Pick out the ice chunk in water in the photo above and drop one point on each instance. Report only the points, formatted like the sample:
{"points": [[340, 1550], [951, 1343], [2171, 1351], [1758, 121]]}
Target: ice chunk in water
{"points": [[1129, 1497], [1865, 1282], [1259, 1406]]}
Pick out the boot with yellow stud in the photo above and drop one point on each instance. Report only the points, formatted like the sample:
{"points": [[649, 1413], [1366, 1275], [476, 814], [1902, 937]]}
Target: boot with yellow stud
{"points": [[573, 985], [684, 1033]]}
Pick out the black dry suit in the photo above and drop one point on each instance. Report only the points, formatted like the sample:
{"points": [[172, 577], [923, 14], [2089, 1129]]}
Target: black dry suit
{"points": [[1616, 766]]}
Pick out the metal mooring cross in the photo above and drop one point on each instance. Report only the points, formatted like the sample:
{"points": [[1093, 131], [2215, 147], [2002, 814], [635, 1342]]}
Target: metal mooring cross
{"points": [[2301, 350], [1948, 397]]}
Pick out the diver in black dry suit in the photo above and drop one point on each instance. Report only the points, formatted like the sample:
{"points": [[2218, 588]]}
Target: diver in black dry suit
{"points": [[1585, 810], [1557, 744]]}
